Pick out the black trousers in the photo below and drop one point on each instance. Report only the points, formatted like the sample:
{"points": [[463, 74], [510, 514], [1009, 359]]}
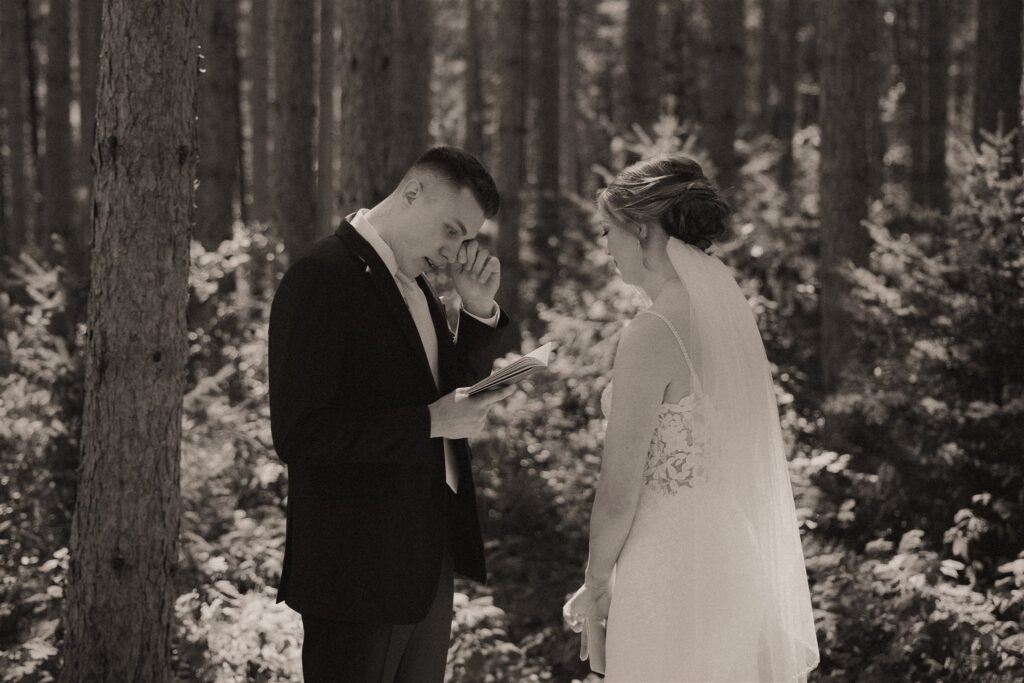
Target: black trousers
{"points": [[361, 652]]}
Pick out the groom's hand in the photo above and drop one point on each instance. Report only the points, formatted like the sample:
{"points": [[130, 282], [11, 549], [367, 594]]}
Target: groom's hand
{"points": [[458, 416], [476, 275]]}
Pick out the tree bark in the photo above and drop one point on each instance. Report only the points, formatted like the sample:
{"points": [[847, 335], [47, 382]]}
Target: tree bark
{"points": [[474, 139], [294, 192], [681, 66], [640, 104], [568, 111], [789, 20], [16, 99], [366, 70], [410, 131], [120, 595], [998, 67], [90, 18], [767, 86], [219, 152], [724, 100], [547, 241], [260, 49], [848, 104], [56, 170], [326, 195], [930, 45], [510, 149]]}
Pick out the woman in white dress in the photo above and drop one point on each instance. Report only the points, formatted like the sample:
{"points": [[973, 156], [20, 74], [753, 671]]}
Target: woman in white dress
{"points": [[695, 560]]}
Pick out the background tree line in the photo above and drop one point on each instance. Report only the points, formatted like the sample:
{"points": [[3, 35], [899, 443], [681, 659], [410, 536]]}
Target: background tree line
{"points": [[866, 146]]}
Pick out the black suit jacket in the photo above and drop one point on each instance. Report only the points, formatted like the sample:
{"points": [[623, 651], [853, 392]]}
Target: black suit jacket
{"points": [[349, 389]]}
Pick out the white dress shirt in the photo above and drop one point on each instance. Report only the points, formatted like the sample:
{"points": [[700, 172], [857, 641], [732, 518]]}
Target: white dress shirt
{"points": [[416, 300]]}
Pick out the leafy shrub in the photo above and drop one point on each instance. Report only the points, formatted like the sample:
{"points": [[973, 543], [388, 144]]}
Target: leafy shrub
{"points": [[940, 403]]}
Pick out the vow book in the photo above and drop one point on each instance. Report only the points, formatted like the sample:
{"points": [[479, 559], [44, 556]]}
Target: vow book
{"points": [[524, 366]]}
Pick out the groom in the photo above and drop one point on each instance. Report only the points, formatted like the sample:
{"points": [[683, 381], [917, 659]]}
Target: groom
{"points": [[363, 371]]}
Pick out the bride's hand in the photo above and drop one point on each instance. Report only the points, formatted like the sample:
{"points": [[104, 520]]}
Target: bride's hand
{"points": [[589, 602]]}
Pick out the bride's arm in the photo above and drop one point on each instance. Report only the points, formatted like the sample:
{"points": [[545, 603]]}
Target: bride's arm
{"points": [[640, 382]]}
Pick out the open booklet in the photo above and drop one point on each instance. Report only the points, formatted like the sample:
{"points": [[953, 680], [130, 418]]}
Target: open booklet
{"points": [[523, 366]]}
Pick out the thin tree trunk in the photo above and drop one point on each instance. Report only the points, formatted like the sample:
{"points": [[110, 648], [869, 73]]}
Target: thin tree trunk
{"points": [[56, 170], [640, 103], [90, 24], [16, 103], [547, 241], [120, 596], [218, 122], [786, 119], [410, 132], [848, 104], [510, 149], [997, 67], [928, 150], [260, 49], [767, 86], [474, 142], [724, 100], [569, 176], [680, 61], [366, 70], [325, 120], [294, 194]]}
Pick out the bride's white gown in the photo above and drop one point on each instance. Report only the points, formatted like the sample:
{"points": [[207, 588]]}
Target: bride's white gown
{"points": [[685, 601]]}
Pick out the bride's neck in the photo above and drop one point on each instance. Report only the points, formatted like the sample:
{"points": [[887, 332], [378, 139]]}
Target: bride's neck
{"points": [[657, 278]]}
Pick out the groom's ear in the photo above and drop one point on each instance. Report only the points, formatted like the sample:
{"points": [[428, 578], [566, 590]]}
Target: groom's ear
{"points": [[412, 191]]}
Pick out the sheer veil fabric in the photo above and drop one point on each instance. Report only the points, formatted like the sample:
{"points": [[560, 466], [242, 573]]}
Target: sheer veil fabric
{"points": [[762, 601]]}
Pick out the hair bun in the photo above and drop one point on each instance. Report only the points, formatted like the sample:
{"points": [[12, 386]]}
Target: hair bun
{"points": [[699, 216], [671, 191]]}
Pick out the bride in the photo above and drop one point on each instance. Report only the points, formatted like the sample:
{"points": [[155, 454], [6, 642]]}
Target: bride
{"points": [[695, 560]]}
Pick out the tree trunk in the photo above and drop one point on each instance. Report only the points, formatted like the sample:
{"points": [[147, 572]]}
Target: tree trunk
{"points": [[294, 193], [767, 86], [680, 62], [16, 99], [510, 149], [547, 241], [724, 100], [366, 71], [218, 122], [120, 595], [789, 20], [848, 104], [57, 209], [569, 176], [997, 67], [260, 49], [90, 24], [640, 102], [410, 128], [930, 46], [474, 139], [326, 194]]}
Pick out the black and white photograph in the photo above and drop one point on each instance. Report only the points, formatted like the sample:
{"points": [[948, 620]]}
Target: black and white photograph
{"points": [[511, 341]]}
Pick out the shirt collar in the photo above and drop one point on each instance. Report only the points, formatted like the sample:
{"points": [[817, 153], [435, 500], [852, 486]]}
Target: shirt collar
{"points": [[370, 234]]}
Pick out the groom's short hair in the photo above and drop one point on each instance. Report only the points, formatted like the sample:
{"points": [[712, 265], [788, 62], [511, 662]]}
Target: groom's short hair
{"points": [[462, 169]]}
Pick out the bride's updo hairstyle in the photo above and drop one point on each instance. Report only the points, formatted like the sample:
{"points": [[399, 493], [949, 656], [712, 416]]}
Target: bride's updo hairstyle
{"points": [[671, 191]]}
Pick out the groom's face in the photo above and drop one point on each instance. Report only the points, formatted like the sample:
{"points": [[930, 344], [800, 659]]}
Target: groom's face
{"points": [[439, 220]]}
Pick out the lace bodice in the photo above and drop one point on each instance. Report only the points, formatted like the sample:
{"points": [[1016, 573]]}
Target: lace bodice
{"points": [[677, 458]]}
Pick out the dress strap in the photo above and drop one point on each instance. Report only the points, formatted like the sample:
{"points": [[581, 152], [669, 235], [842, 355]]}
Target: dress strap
{"points": [[682, 347]]}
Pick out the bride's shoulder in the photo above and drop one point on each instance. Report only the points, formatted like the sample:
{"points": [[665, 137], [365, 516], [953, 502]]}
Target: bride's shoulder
{"points": [[646, 337]]}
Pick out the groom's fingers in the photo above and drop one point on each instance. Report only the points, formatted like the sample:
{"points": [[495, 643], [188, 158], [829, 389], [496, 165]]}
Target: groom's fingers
{"points": [[491, 267]]}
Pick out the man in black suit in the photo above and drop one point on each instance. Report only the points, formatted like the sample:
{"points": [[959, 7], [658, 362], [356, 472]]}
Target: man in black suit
{"points": [[363, 373]]}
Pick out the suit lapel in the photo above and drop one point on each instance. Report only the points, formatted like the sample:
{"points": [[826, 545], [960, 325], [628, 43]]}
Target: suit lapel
{"points": [[381, 279]]}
